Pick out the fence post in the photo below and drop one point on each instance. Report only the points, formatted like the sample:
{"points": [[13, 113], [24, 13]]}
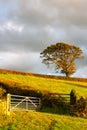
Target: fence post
{"points": [[39, 105], [8, 103], [72, 101]]}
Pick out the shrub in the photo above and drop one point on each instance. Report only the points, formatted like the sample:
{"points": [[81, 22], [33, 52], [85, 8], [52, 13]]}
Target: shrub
{"points": [[81, 105], [79, 108]]}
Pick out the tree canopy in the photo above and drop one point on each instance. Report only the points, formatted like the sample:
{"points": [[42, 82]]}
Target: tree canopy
{"points": [[62, 56]]}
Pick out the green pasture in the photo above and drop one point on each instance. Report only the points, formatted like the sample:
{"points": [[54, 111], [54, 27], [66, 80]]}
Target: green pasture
{"points": [[46, 84], [35, 120], [41, 120]]}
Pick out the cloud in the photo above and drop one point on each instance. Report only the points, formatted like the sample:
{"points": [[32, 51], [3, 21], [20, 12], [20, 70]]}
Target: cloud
{"points": [[10, 26], [70, 12], [53, 12], [23, 62], [1, 59], [81, 72], [5, 1], [27, 27]]}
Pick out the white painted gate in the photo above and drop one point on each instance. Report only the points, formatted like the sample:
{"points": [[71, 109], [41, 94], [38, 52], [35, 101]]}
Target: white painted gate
{"points": [[22, 103]]}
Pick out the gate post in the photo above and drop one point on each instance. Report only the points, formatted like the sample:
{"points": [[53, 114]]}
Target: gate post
{"points": [[8, 103], [26, 103], [73, 100]]}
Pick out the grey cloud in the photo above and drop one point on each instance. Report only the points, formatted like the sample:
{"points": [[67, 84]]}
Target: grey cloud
{"points": [[32, 38], [44, 23], [5, 1], [29, 40], [46, 12], [70, 12], [23, 62], [42, 13], [81, 73]]}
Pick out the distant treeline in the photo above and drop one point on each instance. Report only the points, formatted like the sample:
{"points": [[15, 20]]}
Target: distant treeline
{"points": [[4, 71]]}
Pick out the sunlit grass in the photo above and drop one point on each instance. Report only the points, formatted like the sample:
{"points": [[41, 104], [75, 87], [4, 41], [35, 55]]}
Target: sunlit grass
{"points": [[52, 85], [42, 120]]}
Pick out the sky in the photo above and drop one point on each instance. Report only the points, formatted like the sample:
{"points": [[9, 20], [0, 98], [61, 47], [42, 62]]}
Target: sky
{"points": [[27, 27]]}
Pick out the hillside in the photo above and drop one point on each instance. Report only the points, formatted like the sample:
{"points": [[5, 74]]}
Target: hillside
{"points": [[34, 84], [42, 83], [41, 121]]}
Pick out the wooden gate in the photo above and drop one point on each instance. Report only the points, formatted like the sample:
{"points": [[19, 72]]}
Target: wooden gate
{"points": [[22, 103]]}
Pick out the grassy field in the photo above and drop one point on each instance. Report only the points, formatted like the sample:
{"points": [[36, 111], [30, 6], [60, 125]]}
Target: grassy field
{"points": [[35, 120], [46, 84], [41, 120]]}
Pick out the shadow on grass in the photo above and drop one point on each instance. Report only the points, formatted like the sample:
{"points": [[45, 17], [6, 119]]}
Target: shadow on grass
{"points": [[61, 110]]}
